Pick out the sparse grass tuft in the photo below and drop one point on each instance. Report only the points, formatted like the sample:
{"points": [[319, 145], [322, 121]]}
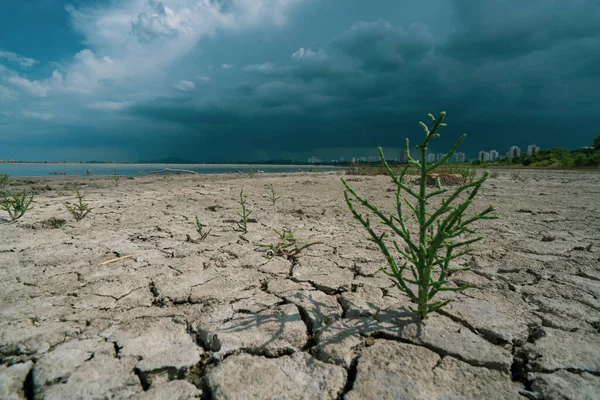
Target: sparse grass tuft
{"points": [[80, 210], [467, 173], [4, 179], [243, 224], [494, 174], [115, 178], [423, 268], [66, 190], [16, 205], [516, 176], [272, 195], [286, 245], [200, 229]]}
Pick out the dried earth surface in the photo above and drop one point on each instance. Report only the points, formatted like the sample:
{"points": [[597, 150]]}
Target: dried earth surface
{"points": [[184, 319]]}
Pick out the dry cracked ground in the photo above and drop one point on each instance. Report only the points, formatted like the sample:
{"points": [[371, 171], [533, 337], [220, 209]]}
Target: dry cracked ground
{"points": [[218, 319]]}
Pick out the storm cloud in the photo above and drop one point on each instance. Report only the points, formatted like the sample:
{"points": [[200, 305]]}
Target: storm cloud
{"points": [[149, 79]]}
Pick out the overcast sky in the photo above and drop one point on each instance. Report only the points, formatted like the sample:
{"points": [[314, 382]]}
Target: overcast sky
{"points": [[245, 80]]}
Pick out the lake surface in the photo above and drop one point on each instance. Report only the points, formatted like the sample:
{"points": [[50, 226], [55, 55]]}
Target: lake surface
{"points": [[142, 169]]}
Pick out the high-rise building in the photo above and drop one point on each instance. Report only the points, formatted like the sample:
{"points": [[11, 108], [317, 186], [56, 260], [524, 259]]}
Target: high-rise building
{"points": [[532, 148], [460, 157], [484, 156], [439, 157], [430, 158], [494, 155], [514, 151], [403, 158]]}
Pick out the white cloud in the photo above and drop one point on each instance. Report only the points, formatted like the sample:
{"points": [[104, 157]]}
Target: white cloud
{"points": [[185, 86], [35, 88], [308, 54], [107, 105], [24, 62], [142, 38], [203, 78], [264, 68], [227, 66], [46, 116]]}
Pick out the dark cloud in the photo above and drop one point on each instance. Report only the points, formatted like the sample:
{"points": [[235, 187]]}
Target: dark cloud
{"points": [[497, 29], [381, 46], [507, 72]]}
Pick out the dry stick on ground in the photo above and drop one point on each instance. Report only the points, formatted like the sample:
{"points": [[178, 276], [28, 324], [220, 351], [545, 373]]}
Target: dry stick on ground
{"points": [[425, 260], [174, 171], [115, 260]]}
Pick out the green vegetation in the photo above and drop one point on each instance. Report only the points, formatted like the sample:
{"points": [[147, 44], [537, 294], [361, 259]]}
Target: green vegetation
{"points": [[243, 224], [200, 229], [4, 179], [555, 157], [16, 205], [80, 210], [115, 178], [516, 176], [66, 190], [467, 173], [442, 234], [370, 169], [272, 195], [286, 245]]}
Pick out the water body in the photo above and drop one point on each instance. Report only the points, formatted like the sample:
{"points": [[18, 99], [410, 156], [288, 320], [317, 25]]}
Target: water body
{"points": [[30, 170]]}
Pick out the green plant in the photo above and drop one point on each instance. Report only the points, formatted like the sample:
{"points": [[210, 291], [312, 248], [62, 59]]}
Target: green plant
{"points": [[516, 176], [80, 210], [441, 234], [4, 179], [243, 224], [468, 174], [65, 192], [250, 172], [16, 205], [115, 178], [272, 195], [200, 229], [286, 245]]}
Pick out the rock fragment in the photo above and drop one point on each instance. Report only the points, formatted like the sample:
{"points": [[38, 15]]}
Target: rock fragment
{"points": [[298, 376]]}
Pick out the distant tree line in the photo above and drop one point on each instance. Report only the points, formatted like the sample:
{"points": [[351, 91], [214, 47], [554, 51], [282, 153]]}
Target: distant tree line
{"points": [[557, 157]]}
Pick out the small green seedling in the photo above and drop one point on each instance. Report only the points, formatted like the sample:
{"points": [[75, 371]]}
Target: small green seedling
{"points": [[424, 265], [243, 224], [16, 205], [272, 195], [516, 176], [115, 178], [286, 245], [4, 179], [80, 210], [200, 229]]}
